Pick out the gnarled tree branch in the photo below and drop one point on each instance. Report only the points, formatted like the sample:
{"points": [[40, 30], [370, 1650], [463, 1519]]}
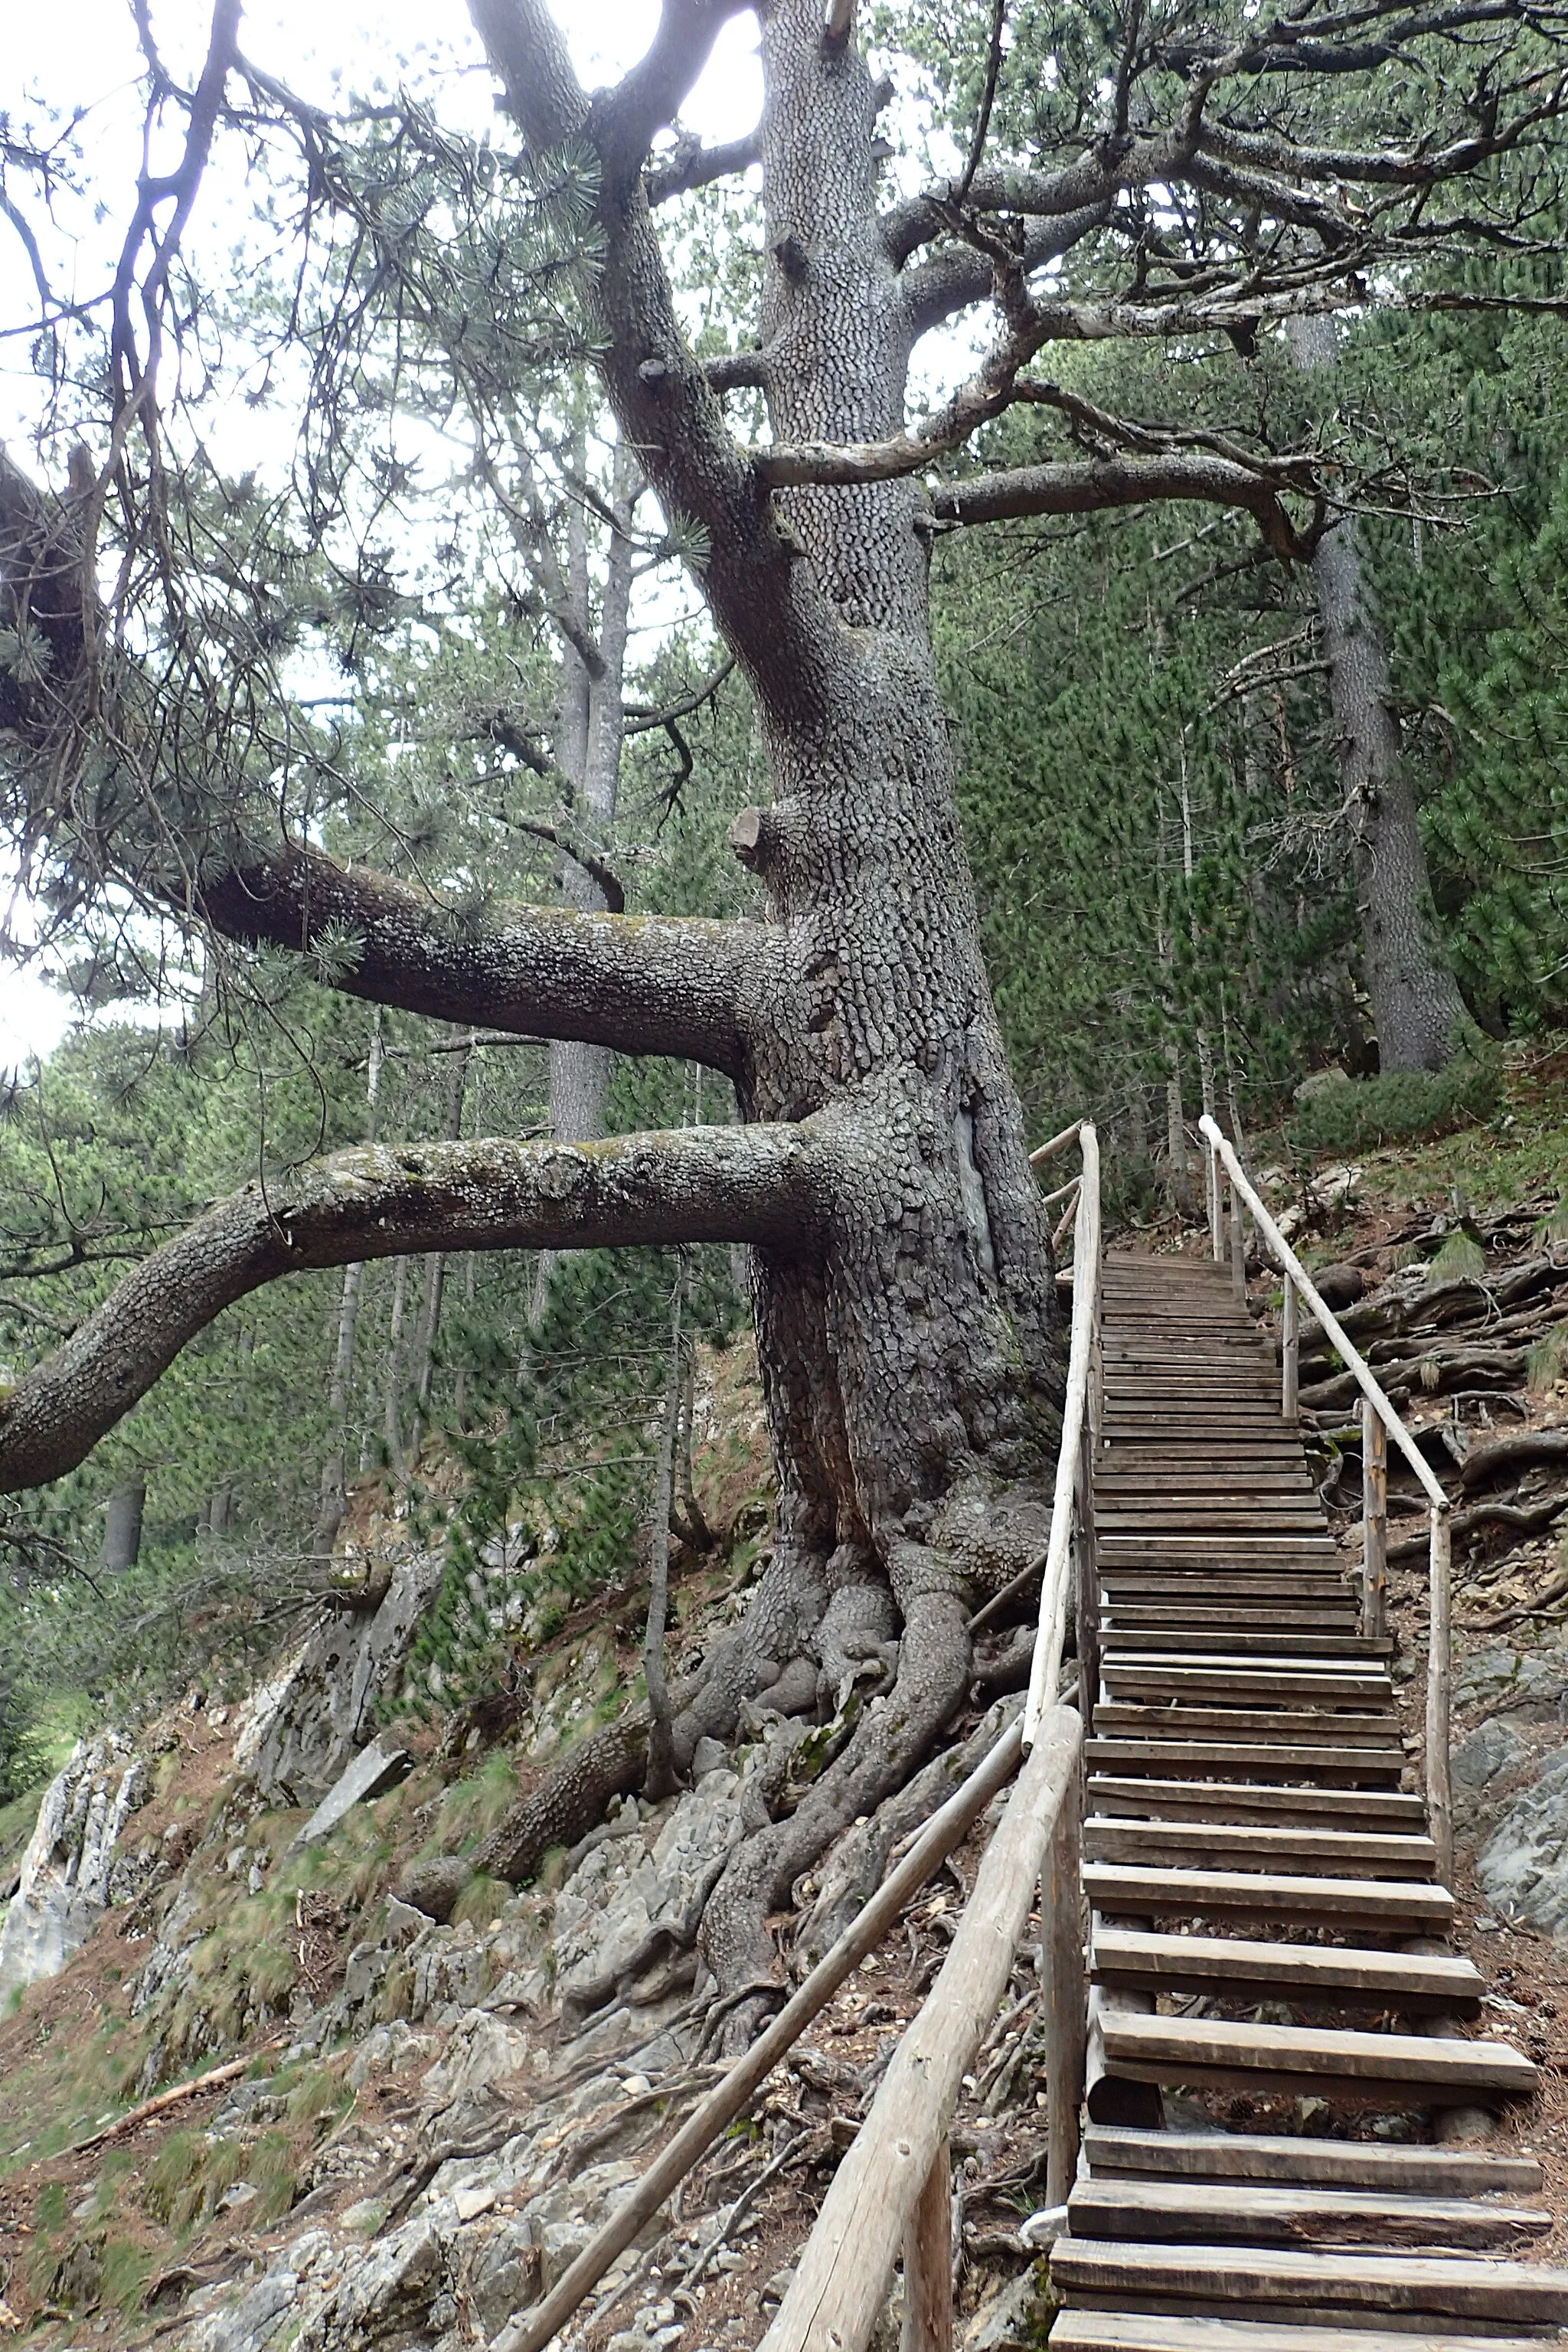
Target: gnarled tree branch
{"points": [[766, 1185], [648, 984], [1122, 482]]}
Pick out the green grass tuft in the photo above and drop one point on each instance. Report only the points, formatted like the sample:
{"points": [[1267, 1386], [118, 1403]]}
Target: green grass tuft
{"points": [[1461, 1259]]}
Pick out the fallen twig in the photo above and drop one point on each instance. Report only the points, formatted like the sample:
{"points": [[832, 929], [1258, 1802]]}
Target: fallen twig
{"points": [[227, 2073]]}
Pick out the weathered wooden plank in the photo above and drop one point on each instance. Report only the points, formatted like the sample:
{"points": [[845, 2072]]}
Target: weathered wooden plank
{"points": [[1155, 2046], [1344, 1767], [1398, 1905], [1446, 2286], [1297, 1727], [1241, 1641], [1440, 1983], [1122, 2331], [1227, 1845], [1212, 2214], [1401, 2170], [1237, 1801]]}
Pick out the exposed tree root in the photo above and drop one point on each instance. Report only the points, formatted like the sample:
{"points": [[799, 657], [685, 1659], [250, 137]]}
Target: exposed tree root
{"points": [[890, 1741]]}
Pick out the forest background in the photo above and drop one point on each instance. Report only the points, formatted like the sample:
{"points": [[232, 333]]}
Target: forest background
{"points": [[1154, 808]]}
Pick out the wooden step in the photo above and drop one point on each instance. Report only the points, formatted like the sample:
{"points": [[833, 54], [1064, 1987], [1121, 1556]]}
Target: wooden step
{"points": [[1231, 1680], [1399, 2168], [1412, 1982], [1235, 1801], [1317, 1554], [1231, 1845], [1155, 1622], [1211, 2213], [1393, 1906], [1240, 1640], [1234, 2279], [1294, 1728], [1182, 1602], [1134, 2331], [1343, 1766], [1206, 1520], [1432, 2070]]}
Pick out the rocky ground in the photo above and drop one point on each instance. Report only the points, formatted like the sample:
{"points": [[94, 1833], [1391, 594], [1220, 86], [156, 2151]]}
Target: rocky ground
{"points": [[398, 2133]]}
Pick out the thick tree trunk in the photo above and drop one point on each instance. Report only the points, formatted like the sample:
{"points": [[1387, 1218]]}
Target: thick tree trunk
{"points": [[1420, 1015]]}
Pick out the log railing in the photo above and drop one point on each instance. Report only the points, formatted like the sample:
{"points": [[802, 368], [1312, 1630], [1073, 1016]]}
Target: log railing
{"points": [[892, 2192], [1379, 1422]]}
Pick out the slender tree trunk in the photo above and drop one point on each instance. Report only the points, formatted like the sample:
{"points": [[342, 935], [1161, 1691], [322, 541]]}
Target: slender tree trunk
{"points": [[590, 735], [392, 1395], [122, 1544], [1420, 1015], [436, 1260], [334, 1470], [660, 1781]]}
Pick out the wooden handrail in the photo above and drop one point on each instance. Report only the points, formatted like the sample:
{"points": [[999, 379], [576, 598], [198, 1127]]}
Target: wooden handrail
{"points": [[1323, 1314], [1378, 1411], [839, 2287], [730, 2096], [1044, 1152], [1047, 1669]]}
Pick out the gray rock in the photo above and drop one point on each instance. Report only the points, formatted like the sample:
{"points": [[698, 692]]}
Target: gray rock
{"points": [[375, 1769], [1492, 1750], [1529, 1684], [483, 2049], [68, 1877], [1321, 1082], [1522, 1870], [708, 1756], [298, 1732]]}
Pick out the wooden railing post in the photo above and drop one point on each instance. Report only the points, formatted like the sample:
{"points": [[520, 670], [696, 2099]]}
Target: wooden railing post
{"points": [[1215, 1198], [928, 2262], [1440, 1697], [1066, 2002], [1237, 1246], [1374, 1522], [1290, 1356]]}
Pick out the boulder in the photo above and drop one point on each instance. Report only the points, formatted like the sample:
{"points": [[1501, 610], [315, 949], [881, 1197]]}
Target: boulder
{"points": [[68, 1877], [375, 1769], [613, 1904], [1522, 1869]]}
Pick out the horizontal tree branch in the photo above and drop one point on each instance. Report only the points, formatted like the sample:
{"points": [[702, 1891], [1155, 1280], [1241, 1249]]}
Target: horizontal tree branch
{"points": [[644, 984], [639, 717], [769, 1185], [736, 371], [1091, 488], [691, 165]]}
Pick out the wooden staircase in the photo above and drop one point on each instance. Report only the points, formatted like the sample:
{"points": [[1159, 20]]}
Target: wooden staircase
{"points": [[1267, 1926]]}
